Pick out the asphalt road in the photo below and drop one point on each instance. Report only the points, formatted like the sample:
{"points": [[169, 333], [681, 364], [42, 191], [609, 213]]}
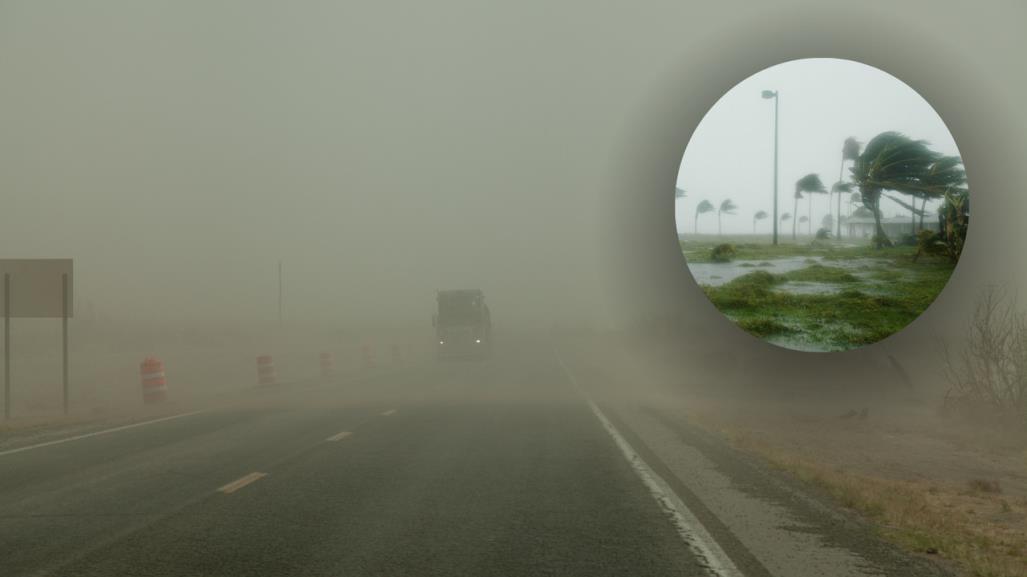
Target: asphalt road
{"points": [[513, 466]]}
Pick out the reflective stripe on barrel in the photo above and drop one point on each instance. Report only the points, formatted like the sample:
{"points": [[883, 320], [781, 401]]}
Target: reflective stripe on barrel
{"points": [[265, 370], [154, 385]]}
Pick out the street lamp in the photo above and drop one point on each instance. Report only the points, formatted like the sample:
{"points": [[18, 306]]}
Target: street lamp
{"points": [[767, 94]]}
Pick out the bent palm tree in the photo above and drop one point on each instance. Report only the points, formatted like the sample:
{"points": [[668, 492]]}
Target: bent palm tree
{"points": [[854, 199], [893, 161], [810, 183], [850, 151], [726, 207], [760, 215], [703, 207]]}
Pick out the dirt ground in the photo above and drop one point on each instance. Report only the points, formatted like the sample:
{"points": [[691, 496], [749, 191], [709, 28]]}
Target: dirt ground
{"points": [[914, 444], [933, 484]]}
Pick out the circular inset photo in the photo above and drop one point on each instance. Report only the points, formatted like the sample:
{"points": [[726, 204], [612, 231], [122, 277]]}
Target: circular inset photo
{"points": [[822, 205]]}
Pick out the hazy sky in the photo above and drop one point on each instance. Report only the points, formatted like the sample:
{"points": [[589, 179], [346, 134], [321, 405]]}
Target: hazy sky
{"points": [[822, 102], [178, 150]]}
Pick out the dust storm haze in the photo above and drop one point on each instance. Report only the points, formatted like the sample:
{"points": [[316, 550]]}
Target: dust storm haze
{"points": [[179, 151]]}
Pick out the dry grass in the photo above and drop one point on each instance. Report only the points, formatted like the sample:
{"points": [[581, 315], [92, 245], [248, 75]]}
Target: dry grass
{"points": [[972, 525], [984, 485]]}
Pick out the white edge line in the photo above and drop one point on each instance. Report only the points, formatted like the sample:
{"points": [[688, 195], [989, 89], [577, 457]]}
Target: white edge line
{"points": [[691, 530], [97, 433]]}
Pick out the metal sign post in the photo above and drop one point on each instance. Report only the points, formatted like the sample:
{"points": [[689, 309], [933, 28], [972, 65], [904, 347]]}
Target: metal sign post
{"points": [[44, 289], [64, 340], [7, 346]]}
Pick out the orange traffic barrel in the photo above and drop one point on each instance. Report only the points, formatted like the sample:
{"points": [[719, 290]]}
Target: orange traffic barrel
{"points": [[327, 364], [155, 386], [265, 370]]}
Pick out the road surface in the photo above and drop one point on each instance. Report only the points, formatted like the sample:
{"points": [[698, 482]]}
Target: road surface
{"points": [[518, 465]]}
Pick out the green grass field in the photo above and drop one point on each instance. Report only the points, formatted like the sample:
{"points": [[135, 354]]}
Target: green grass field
{"points": [[830, 296]]}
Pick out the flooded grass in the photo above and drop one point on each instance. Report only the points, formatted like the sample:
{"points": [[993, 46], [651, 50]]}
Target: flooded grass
{"points": [[697, 251], [836, 298]]}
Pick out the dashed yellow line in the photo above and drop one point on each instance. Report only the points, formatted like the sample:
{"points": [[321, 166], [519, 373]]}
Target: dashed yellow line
{"points": [[339, 436], [242, 482]]}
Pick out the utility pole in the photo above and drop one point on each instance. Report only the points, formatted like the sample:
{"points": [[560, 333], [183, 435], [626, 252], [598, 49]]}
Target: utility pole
{"points": [[773, 94]]}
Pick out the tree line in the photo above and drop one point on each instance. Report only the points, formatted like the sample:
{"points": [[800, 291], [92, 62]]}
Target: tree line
{"points": [[890, 162]]}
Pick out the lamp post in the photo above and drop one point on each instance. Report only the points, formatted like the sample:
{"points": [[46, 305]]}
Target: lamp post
{"points": [[773, 94]]}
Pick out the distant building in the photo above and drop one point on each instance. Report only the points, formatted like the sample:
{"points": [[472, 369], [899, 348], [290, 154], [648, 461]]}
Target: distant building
{"points": [[895, 227]]}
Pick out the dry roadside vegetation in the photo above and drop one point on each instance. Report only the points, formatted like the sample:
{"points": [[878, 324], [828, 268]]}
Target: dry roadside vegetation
{"points": [[937, 464], [932, 491], [947, 480]]}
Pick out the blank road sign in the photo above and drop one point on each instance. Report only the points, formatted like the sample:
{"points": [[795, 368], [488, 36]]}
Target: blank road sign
{"points": [[36, 287]]}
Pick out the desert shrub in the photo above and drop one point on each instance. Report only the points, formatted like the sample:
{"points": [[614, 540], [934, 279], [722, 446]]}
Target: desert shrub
{"points": [[723, 253], [984, 485], [987, 376]]}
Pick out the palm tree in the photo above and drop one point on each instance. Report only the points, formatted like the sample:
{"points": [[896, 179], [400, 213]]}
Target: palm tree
{"points": [[854, 199], [850, 151], [893, 161], [809, 214], [679, 192], [798, 195], [840, 188], [804, 219], [810, 183], [760, 215], [785, 216], [704, 207], [910, 206], [945, 174], [726, 207]]}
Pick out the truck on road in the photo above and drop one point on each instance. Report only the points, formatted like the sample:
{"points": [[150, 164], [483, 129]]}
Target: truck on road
{"points": [[463, 324]]}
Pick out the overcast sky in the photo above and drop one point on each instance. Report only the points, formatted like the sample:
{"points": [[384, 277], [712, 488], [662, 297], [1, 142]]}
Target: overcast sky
{"points": [[822, 102]]}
